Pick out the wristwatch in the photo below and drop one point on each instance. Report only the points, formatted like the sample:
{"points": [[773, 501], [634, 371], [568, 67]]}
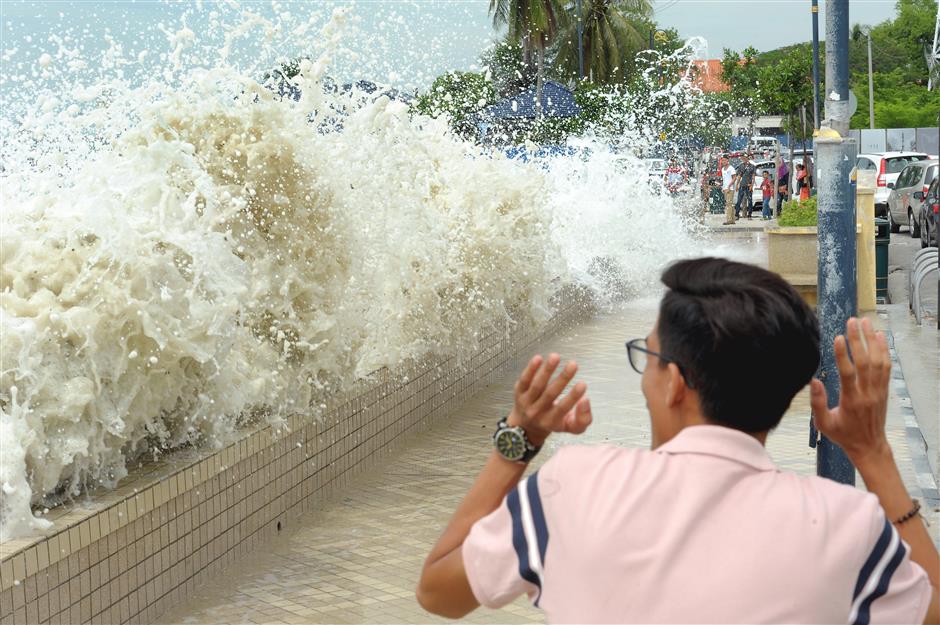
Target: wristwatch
{"points": [[512, 444]]}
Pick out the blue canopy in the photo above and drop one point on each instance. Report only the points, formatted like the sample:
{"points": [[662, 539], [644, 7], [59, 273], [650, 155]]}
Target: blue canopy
{"points": [[557, 101]]}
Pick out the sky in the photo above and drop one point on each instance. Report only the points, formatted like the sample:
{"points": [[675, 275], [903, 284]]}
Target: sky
{"points": [[764, 24], [401, 42]]}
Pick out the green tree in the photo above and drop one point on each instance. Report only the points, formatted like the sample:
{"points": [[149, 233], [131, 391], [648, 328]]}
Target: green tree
{"points": [[505, 64], [459, 95], [786, 87], [898, 62], [742, 73], [533, 24], [662, 104], [611, 39], [898, 104]]}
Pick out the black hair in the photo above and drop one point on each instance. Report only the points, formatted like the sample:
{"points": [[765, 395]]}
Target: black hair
{"points": [[743, 337]]}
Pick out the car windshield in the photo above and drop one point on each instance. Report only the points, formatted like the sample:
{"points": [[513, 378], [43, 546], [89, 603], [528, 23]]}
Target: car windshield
{"points": [[896, 164], [763, 166]]}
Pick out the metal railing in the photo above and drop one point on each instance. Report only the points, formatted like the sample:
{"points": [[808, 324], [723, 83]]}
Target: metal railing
{"points": [[923, 264]]}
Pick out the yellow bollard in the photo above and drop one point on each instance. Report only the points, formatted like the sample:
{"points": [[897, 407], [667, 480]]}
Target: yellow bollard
{"points": [[865, 217]]}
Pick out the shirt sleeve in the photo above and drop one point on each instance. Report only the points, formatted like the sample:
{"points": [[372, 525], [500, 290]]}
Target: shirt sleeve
{"points": [[890, 587], [504, 551]]}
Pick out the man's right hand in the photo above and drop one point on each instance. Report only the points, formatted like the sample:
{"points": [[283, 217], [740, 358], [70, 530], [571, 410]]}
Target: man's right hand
{"points": [[857, 424], [539, 408]]}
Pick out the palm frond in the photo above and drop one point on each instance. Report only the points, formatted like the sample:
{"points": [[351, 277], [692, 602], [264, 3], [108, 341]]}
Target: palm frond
{"points": [[500, 11]]}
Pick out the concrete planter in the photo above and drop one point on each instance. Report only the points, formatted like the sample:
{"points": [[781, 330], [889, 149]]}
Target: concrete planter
{"points": [[793, 252]]}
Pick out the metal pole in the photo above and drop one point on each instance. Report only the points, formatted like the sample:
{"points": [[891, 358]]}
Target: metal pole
{"points": [[580, 41], [837, 286], [837, 289], [871, 88], [815, 12], [806, 164], [837, 66]]}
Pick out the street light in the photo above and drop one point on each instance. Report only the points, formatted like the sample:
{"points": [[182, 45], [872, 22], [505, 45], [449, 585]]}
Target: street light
{"points": [[580, 40], [871, 88]]}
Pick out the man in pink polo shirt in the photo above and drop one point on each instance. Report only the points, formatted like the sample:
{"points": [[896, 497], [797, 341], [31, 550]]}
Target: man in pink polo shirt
{"points": [[703, 528]]}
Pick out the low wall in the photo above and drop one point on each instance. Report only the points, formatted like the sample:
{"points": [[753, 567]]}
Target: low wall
{"points": [[126, 555]]}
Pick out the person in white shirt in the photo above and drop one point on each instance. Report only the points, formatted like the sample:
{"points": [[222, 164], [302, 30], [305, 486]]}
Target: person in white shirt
{"points": [[727, 188]]}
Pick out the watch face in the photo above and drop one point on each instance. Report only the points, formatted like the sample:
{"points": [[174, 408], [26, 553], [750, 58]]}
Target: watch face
{"points": [[510, 444]]}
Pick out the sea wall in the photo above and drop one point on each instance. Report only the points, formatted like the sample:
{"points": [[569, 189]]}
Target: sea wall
{"points": [[125, 556]]}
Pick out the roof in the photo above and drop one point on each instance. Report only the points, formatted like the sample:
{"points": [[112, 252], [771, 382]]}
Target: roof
{"points": [[708, 76], [557, 101]]}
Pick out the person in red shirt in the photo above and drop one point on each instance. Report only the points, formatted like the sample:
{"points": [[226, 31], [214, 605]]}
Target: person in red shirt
{"points": [[767, 191]]}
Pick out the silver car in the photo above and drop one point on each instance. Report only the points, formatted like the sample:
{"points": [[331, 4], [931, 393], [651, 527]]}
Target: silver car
{"points": [[887, 167], [903, 207]]}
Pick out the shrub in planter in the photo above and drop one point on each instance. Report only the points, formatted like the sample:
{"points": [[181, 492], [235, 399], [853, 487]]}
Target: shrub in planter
{"points": [[797, 213]]}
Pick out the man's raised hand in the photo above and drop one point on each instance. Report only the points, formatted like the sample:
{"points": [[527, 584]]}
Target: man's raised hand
{"points": [[857, 424], [540, 409]]}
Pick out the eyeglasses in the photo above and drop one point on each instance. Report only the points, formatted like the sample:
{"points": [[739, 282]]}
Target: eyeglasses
{"points": [[638, 353]]}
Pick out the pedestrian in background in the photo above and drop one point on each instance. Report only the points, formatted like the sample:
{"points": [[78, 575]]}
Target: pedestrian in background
{"points": [[802, 188], [783, 183], [727, 189], [767, 196], [745, 179]]}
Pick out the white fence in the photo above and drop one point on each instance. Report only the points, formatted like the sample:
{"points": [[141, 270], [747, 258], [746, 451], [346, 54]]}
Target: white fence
{"points": [[897, 140]]}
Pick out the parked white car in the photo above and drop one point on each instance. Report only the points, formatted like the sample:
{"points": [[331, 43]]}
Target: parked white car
{"points": [[903, 205], [887, 166]]}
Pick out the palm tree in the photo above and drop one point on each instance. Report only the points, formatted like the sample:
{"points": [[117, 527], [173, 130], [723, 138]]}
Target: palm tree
{"points": [[611, 39], [534, 24]]}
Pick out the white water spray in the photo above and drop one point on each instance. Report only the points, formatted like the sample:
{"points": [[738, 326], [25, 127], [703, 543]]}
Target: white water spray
{"points": [[186, 253]]}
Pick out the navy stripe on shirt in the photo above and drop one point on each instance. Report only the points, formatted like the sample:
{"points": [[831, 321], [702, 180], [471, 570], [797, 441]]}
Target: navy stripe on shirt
{"points": [[864, 610], [876, 554], [538, 516], [519, 541]]}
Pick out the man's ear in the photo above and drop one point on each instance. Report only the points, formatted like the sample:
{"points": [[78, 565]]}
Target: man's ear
{"points": [[676, 388]]}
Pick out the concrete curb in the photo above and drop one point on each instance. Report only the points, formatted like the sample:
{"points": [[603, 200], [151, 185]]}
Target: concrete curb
{"points": [[915, 437]]}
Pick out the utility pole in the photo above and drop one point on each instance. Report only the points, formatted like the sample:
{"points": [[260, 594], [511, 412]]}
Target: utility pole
{"points": [[871, 87], [837, 287], [934, 53], [837, 66], [580, 40], [815, 12]]}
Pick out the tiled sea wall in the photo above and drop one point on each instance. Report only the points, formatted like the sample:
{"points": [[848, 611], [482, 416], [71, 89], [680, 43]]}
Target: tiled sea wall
{"points": [[126, 555]]}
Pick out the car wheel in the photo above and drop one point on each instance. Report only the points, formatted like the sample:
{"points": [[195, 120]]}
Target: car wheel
{"points": [[894, 227], [913, 224], [924, 235]]}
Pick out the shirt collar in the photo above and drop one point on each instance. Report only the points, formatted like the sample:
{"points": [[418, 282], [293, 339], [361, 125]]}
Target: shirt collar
{"points": [[721, 442]]}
